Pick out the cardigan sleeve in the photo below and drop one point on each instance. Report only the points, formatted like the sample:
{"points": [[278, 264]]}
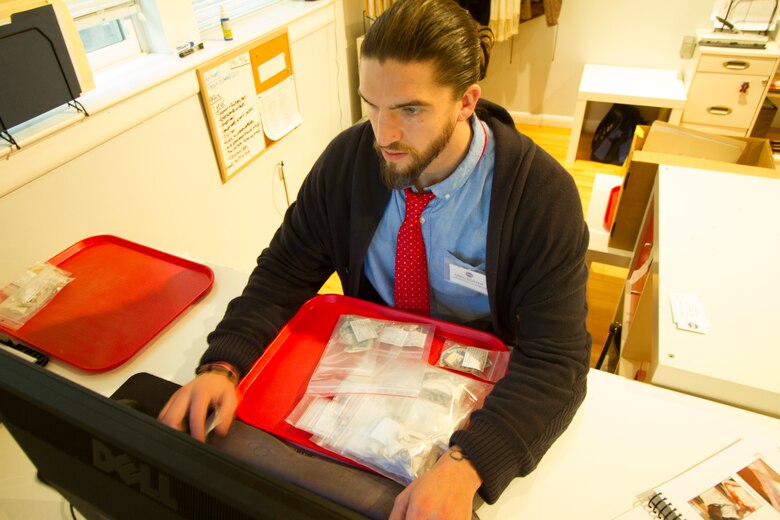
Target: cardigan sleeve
{"points": [[540, 308], [299, 259]]}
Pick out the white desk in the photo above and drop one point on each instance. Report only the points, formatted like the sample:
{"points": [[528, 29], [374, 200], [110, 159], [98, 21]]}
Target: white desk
{"points": [[626, 437], [173, 355], [719, 239]]}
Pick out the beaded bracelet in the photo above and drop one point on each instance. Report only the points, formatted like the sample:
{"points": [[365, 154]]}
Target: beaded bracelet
{"points": [[221, 368]]}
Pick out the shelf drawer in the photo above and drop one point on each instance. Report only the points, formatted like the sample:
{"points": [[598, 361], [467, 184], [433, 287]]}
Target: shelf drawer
{"points": [[737, 65], [715, 99]]}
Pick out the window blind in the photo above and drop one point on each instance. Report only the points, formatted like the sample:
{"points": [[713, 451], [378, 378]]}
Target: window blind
{"points": [[207, 11], [87, 13]]}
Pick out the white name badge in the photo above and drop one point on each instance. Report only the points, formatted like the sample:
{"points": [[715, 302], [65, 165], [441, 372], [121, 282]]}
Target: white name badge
{"points": [[468, 278]]}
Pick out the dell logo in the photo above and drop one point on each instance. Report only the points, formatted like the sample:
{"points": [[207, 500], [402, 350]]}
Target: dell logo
{"points": [[134, 474]]}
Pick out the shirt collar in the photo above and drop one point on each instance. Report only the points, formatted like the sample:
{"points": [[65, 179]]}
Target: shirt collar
{"points": [[461, 173]]}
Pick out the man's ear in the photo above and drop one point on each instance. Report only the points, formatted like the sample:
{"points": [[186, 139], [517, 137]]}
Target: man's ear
{"points": [[469, 102]]}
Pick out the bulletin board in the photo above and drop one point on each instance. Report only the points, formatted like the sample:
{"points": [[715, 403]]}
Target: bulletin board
{"points": [[250, 100]]}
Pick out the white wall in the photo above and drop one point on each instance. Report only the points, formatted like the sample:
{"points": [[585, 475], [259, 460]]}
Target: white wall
{"points": [[159, 184], [537, 72]]}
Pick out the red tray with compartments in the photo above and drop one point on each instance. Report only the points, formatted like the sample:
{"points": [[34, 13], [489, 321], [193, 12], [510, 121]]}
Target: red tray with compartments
{"points": [[122, 295], [278, 380]]}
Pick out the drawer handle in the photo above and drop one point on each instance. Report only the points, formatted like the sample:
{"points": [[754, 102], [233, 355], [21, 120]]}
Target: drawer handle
{"points": [[736, 65], [719, 111]]}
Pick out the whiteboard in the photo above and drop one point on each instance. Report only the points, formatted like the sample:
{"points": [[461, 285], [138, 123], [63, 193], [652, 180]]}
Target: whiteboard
{"points": [[232, 87], [233, 104]]}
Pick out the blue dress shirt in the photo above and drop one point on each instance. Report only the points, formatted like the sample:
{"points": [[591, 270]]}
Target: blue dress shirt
{"points": [[454, 228]]}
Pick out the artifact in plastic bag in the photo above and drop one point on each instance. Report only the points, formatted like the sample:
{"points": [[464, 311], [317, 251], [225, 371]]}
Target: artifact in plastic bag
{"points": [[490, 365], [408, 340], [351, 349], [398, 437], [367, 355], [316, 414], [24, 297]]}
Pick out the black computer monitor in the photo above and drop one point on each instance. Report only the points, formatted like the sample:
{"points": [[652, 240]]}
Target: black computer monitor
{"points": [[109, 459]]}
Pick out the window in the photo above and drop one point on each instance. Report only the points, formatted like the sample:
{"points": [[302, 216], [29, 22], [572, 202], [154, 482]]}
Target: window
{"points": [[207, 11], [101, 36], [106, 29]]}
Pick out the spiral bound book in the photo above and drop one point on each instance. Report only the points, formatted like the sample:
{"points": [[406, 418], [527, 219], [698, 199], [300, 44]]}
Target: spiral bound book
{"points": [[742, 481]]}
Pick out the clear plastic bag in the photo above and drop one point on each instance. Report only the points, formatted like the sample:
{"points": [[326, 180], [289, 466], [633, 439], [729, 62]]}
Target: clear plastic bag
{"points": [[351, 349], [490, 365], [316, 414], [395, 376], [398, 437], [366, 355], [405, 340], [24, 297]]}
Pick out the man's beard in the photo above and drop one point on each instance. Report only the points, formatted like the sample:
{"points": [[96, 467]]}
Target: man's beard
{"points": [[397, 178]]}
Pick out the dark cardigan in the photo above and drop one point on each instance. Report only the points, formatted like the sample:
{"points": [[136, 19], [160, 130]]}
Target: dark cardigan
{"points": [[536, 277]]}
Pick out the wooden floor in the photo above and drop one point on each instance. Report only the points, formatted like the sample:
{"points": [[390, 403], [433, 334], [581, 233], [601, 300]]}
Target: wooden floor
{"points": [[605, 282]]}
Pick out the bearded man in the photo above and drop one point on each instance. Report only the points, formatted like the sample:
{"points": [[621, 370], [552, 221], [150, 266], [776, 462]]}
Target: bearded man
{"points": [[497, 208]]}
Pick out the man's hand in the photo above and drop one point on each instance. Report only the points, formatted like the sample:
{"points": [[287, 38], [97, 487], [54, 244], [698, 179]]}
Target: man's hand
{"points": [[192, 402], [446, 491]]}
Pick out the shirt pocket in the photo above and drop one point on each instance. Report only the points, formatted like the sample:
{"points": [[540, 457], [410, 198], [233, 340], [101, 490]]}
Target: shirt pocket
{"points": [[462, 277]]}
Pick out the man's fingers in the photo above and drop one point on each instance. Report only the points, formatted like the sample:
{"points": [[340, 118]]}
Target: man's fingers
{"points": [[175, 410], [400, 506], [225, 414], [190, 405], [199, 405]]}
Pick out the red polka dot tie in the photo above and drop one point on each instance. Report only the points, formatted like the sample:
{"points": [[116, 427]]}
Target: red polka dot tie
{"points": [[411, 264]]}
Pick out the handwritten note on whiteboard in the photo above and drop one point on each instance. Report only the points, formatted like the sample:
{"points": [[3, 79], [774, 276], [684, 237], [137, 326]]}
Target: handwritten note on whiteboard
{"points": [[249, 100], [237, 120]]}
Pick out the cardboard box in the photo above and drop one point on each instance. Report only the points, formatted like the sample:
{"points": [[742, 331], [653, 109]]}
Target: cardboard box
{"points": [[677, 146], [670, 139]]}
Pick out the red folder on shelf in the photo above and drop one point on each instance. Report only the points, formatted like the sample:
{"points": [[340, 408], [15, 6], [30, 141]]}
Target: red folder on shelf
{"points": [[122, 295], [278, 380], [612, 202]]}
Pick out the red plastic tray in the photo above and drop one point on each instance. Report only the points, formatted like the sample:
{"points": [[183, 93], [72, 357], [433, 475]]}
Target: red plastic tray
{"points": [[278, 380], [122, 295]]}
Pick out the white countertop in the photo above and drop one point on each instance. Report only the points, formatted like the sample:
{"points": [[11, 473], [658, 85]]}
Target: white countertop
{"points": [[626, 437]]}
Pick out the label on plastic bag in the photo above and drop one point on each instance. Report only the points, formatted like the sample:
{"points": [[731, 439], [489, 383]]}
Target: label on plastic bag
{"points": [[475, 358], [394, 335], [363, 330], [416, 339]]}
